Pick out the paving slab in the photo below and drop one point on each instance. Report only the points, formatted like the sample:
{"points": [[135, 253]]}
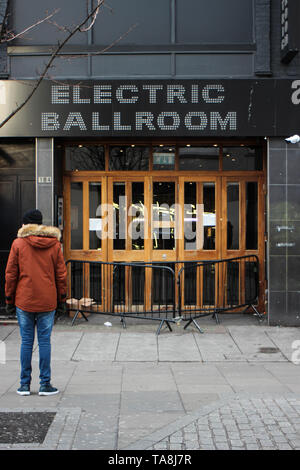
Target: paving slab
{"points": [[135, 426], [178, 348], [243, 377], [193, 401], [63, 345], [251, 339], [97, 347], [216, 347], [6, 330], [94, 432], [148, 379], [285, 339], [137, 347]]}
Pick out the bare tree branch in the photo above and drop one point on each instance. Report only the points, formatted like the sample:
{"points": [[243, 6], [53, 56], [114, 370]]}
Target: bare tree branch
{"points": [[84, 30], [107, 48], [11, 36], [50, 62]]}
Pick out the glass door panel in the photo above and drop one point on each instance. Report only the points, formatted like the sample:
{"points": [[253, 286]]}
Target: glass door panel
{"points": [[199, 200], [127, 240], [233, 216], [119, 215], [83, 230], [95, 213], [209, 216], [251, 215], [137, 216], [128, 214], [199, 215], [163, 215], [242, 215], [76, 216]]}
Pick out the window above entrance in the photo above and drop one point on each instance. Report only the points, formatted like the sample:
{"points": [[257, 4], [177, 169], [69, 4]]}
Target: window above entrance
{"points": [[82, 158], [126, 158], [185, 157]]}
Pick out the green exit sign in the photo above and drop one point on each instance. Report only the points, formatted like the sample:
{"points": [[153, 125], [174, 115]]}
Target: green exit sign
{"points": [[163, 159]]}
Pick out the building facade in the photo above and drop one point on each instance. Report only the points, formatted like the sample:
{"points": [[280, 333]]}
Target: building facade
{"points": [[170, 112]]}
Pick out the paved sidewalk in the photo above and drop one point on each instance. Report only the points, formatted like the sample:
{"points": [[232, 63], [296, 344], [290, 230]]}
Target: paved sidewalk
{"points": [[255, 422], [131, 389]]}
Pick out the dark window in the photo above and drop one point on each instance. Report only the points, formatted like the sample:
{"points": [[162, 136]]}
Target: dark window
{"points": [[216, 21], [242, 158], [150, 22], [198, 158], [129, 158], [17, 155], [68, 15], [82, 157]]}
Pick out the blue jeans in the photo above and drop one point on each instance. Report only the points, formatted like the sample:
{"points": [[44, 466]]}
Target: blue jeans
{"points": [[44, 322]]}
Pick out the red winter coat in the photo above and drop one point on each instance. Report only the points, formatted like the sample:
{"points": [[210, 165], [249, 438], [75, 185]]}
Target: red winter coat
{"points": [[36, 275]]}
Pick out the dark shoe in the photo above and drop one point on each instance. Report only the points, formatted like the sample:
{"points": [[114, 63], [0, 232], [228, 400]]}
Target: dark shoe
{"points": [[24, 390], [47, 389]]}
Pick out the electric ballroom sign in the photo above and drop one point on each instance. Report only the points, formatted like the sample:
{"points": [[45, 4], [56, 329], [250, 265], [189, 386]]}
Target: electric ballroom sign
{"points": [[152, 108], [145, 108]]}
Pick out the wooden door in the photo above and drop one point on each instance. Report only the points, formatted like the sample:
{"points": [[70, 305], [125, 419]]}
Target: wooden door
{"points": [[164, 219], [129, 240], [84, 228], [200, 239], [85, 238], [243, 229]]}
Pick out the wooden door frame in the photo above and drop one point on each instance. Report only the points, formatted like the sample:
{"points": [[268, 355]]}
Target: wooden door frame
{"points": [[220, 179], [190, 255], [85, 253], [261, 229]]}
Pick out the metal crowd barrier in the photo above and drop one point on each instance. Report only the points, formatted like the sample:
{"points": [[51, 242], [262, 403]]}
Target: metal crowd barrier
{"points": [[118, 289], [218, 286], [177, 291]]}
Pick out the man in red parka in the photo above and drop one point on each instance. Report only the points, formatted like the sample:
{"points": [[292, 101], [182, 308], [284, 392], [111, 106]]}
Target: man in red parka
{"points": [[35, 287]]}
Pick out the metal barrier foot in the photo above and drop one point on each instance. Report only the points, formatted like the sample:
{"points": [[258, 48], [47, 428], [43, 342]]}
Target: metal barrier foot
{"points": [[76, 315], [122, 320], [256, 313], [161, 324], [195, 323]]}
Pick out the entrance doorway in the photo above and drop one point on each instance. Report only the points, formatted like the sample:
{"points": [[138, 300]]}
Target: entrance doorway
{"points": [[158, 214]]}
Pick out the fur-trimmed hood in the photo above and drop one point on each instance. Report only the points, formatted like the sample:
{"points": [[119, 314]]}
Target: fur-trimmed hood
{"points": [[39, 231], [39, 236]]}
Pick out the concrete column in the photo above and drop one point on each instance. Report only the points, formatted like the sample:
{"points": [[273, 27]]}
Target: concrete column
{"points": [[45, 178]]}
